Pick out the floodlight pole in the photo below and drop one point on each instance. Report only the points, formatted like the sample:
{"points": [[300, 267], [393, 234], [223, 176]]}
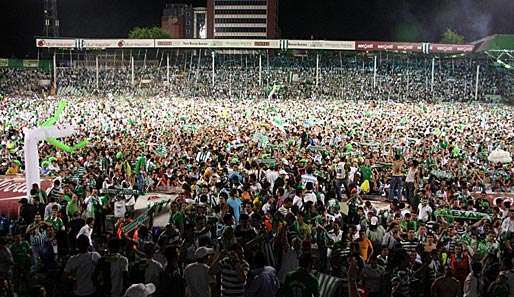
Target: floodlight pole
{"points": [[144, 60], [97, 72], [230, 85], [317, 70], [168, 68], [433, 69], [213, 70], [476, 82], [260, 70], [55, 72], [375, 73], [132, 69]]}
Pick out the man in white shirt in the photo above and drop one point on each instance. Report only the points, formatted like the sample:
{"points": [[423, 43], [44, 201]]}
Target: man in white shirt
{"points": [[196, 274], [81, 268], [424, 211], [309, 194], [271, 176], [508, 222], [309, 178], [297, 200], [87, 230]]}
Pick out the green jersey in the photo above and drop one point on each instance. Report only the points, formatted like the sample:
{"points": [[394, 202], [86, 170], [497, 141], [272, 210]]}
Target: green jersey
{"points": [[56, 223], [366, 172], [177, 218], [20, 252]]}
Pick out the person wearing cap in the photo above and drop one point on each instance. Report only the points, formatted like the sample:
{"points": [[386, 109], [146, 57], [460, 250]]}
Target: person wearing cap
{"points": [[196, 274], [375, 232], [140, 290]]}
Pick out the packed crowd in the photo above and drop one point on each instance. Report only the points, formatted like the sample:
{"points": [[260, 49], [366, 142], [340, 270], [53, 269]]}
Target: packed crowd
{"points": [[276, 196], [339, 77]]}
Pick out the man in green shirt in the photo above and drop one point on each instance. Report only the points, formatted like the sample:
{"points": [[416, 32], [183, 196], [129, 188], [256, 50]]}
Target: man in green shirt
{"points": [[55, 220], [301, 283], [73, 205]]}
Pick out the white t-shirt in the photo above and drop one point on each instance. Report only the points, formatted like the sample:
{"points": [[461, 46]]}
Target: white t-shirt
{"points": [[424, 212], [271, 177], [351, 175], [340, 173], [309, 196], [119, 265], [82, 267], [411, 175], [196, 276], [508, 225], [306, 178], [298, 201], [88, 231]]}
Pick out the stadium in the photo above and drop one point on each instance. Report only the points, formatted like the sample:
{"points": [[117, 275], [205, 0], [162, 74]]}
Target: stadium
{"points": [[274, 167]]}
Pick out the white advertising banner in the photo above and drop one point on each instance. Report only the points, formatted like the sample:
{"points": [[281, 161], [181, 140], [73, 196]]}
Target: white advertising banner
{"points": [[99, 43], [217, 43], [58, 43], [321, 44], [118, 43]]}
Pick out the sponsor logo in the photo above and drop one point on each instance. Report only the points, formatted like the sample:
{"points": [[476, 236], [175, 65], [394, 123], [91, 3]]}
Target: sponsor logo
{"points": [[12, 189], [121, 43], [261, 43], [164, 43], [365, 46], [41, 42]]}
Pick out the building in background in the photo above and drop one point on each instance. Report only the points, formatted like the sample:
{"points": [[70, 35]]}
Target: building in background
{"points": [[200, 22], [177, 20], [251, 19]]}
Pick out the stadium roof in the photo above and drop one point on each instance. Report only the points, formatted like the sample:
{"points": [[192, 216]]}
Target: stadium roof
{"points": [[497, 42]]}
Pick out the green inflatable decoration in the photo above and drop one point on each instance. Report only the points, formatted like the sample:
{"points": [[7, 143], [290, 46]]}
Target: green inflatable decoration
{"points": [[69, 149], [52, 140], [57, 114]]}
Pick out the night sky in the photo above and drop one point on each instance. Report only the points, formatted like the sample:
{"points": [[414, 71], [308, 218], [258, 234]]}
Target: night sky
{"points": [[396, 20]]}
